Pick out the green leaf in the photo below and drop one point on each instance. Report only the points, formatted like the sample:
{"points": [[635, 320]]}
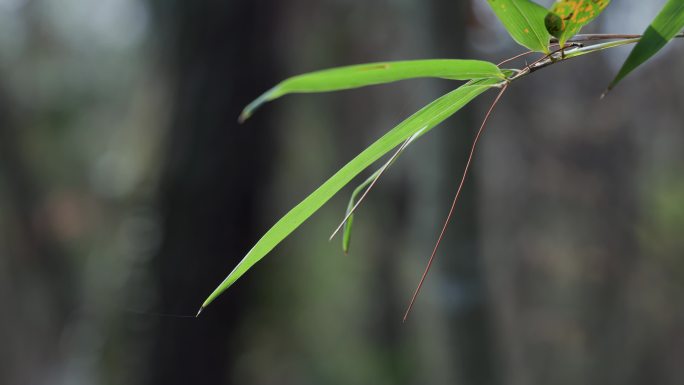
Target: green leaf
{"points": [[567, 17], [362, 75], [524, 21], [346, 237], [365, 187], [422, 121], [664, 28]]}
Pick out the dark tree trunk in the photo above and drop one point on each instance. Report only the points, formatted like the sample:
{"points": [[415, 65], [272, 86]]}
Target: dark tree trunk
{"points": [[218, 53]]}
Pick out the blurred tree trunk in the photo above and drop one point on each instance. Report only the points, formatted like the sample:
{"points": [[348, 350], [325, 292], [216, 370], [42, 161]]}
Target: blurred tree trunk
{"points": [[217, 54], [33, 263], [469, 312]]}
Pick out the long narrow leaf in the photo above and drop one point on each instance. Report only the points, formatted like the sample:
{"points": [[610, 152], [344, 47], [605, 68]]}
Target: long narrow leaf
{"points": [[346, 236], [524, 21], [361, 75], [365, 188], [425, 119], [666, 25]]}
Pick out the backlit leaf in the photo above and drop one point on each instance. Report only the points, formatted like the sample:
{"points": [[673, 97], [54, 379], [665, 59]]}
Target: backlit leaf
{"points": [[420, 122], [365, 187], [664, 28], [362, 75], [524, 21]]}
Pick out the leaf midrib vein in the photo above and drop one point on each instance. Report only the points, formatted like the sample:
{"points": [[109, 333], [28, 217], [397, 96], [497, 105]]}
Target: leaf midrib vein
{"points": [[534, 30]]}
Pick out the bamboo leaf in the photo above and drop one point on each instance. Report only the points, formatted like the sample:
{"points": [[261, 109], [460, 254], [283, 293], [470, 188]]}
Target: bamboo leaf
{"points": [[365, 188], [567, 17], [362, 75], [346, 237], [524, 21], [664, 28], [425, 119]]}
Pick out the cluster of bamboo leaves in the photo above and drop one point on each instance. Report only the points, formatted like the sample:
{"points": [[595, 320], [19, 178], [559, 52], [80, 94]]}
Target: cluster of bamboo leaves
{"points": [[527, 22]]}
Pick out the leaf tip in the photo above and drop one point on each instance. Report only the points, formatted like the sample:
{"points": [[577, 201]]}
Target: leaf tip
{"points": [[248, 111], [199, 312], [604, 94], [244, 115], [345, 245], [608, 89], [346, 237]]}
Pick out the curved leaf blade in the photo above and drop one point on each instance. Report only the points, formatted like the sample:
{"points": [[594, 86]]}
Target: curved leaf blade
{"points": [[425, 119], [365, 187], [346, 237], [567, 17], [524, 21], [343, 78], [664, 28]]}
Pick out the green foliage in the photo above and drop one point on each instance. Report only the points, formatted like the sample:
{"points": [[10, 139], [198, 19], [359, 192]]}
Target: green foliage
{"points": [[664, 28], [365, 187], [524, 21], [343, 78], [420, 122], [528, 23], [346, 237], [567, 17]]}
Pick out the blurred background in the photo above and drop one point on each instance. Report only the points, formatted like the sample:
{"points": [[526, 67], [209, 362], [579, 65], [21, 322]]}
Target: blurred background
{"points": [[127, 190]]}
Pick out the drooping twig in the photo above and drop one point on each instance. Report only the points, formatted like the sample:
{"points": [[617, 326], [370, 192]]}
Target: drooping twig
{"points": [[545, 61], [518, 56], [453, 204]]}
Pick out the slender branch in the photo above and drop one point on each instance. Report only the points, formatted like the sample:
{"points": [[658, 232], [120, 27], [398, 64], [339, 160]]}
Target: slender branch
{"points": [[453, 204], [518, 56], [604, 36], [510, 59], [555, 57], [562, 54], [617, 40]]}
